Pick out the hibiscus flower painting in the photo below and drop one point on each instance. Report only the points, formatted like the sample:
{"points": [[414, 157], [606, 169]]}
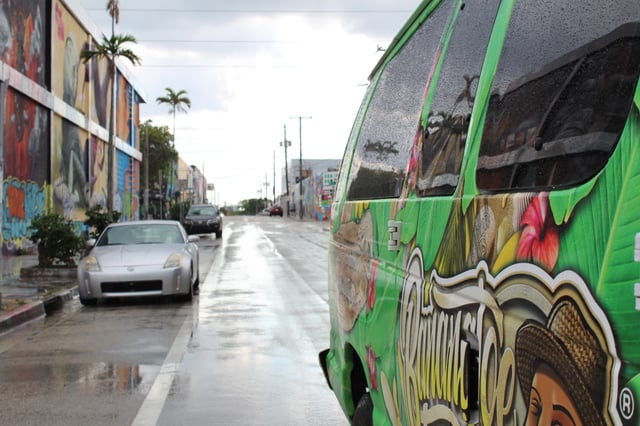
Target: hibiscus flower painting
{"points": [[540, 241]]}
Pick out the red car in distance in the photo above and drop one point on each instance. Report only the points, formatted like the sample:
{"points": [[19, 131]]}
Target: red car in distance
{"points": [[275, 211]]}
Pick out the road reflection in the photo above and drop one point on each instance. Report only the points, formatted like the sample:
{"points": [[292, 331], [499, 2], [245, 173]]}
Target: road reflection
{"points": [[97, 378]]}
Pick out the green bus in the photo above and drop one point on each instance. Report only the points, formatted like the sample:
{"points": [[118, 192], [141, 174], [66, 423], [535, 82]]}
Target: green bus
{"points": [[484, 256]]}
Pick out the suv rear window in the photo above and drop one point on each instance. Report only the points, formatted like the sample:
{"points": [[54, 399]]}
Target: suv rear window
{"points": [[561, 94], [202, 211]]}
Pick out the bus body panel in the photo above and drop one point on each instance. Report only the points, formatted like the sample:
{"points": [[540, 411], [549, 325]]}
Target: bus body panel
{"points": [[484, 255]]}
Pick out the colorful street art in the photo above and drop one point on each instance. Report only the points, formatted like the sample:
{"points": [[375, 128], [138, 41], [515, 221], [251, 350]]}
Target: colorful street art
{"points": [[23, 201], [48, 151], [23, 38]]}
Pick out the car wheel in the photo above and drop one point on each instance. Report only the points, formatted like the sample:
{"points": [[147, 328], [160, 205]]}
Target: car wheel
{"points": [[88, 302], [189, 296], [219, 234], [363, 415]]}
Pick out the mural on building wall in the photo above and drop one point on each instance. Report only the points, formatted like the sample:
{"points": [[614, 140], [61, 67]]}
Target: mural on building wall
{"points": [[26, 151], [128, 168], [69, 82], [97, 172], [79, 171], [70, 153], [71, 187], [22, 37], [130, 200], [89, 83], [124, 117], [26, 134], [23, 201], [26, 163]]}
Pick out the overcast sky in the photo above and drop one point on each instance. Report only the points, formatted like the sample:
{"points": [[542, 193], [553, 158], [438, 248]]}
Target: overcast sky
{"points": [[248, 66]]}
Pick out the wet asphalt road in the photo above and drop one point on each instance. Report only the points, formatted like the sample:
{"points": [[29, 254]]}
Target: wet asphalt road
{"points": [[244, 352]]}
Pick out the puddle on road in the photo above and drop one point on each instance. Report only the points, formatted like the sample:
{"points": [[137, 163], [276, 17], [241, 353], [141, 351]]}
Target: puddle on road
{"points": [[101, 378]]}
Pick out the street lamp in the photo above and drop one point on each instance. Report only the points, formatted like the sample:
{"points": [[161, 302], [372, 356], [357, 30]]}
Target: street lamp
{"points": [[300, 171]]}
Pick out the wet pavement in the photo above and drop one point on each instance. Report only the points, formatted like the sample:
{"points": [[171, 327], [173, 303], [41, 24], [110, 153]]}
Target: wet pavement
{"points": [[28, 292], [246, 350]]}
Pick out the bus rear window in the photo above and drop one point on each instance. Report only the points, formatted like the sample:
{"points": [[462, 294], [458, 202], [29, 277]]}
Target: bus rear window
{"points": [[556, 112]]}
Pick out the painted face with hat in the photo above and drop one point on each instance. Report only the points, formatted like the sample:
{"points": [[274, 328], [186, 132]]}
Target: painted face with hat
{"points": [[562, 370]]}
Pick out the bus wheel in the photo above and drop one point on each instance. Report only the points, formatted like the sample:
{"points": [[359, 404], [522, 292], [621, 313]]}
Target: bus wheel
{"points": [[363, 416]]}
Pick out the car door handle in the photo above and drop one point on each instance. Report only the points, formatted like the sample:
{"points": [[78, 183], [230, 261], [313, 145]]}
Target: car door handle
{"points": [[395, 230]]}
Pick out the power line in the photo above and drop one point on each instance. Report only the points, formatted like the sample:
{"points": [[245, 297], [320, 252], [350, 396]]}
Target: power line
{"points": [[216, 66], [220, 41], [243, 11]]}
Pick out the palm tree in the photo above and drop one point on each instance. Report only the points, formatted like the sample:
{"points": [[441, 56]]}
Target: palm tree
{"points": [[178, 102], [114, 11], [110, 49]]}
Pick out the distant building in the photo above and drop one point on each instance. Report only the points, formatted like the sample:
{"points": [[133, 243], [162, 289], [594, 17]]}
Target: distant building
{"points": [[315, 194]]}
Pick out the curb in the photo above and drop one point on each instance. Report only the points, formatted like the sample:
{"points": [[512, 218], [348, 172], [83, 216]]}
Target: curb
{"points": [[51, 272], [36, 310], [20, 316]]}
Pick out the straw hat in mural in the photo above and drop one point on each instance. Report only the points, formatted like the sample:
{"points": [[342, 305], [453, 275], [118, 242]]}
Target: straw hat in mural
{"points": [[572, 350]]}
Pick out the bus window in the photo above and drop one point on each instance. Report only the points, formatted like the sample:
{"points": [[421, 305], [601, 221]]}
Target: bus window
{"points": [[558, 104]]}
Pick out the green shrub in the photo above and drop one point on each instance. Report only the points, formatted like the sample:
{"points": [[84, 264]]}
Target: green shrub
{"points": [[98, 219], [58, 241]]}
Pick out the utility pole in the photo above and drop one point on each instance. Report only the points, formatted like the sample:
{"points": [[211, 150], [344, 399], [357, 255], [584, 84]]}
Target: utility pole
{"points": [[274, 176], [286, 143], [146, 170], [300, 171]]}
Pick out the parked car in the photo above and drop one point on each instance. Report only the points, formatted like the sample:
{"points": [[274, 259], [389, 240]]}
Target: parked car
{"points": [[485, 247], [203, 219], [275, 211], [265, 212], [141, 258]]}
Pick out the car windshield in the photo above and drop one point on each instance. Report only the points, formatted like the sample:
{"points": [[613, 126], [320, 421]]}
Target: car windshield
{"points": [[203, 211], [141, 234]]}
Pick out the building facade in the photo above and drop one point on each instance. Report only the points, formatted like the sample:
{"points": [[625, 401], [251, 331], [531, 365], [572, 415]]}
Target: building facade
{"points": [[313, 195], [54, 119]]}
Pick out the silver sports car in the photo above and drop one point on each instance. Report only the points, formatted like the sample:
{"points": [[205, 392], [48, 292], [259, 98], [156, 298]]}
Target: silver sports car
{"points": [[141, 258]]}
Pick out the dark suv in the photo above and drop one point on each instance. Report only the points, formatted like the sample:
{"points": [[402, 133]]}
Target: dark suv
{"points": [[203, 219]]}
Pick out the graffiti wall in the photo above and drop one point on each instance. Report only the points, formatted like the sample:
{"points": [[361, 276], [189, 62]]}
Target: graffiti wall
{"points": [[26, 165], [50, 158], [71, 165], [22, 37], [80, 170], [26, 135], [124, 120], [78, 164], [83, 86]]}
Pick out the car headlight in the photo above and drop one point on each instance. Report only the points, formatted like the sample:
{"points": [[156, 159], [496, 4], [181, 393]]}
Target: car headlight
{"points": [[173, 261], [187, 221], [91, 264]]}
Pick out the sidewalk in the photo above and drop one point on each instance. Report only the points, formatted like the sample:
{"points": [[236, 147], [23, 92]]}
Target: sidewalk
{"points": [[27, 293]]}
